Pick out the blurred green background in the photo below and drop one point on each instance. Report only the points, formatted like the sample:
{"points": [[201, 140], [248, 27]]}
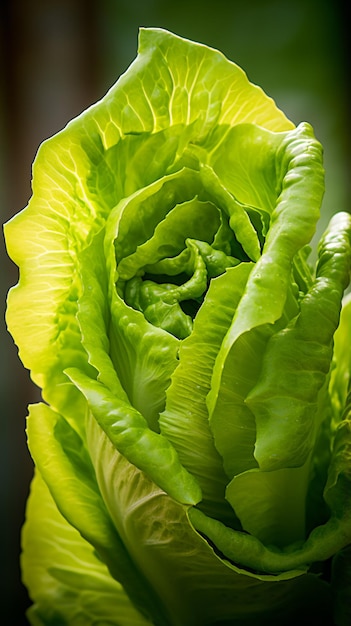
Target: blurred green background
{"points": [[58, 57]]}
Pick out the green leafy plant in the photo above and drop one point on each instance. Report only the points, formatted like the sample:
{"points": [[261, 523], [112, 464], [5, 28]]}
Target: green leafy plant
{"points": [[192, 449]]}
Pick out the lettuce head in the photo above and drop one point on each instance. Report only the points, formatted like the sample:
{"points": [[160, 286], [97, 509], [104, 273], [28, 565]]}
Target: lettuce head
{"points": [[192, 448]]}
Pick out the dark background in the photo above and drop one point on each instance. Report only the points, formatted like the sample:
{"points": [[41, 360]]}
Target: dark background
{"points": [[58, 57]]}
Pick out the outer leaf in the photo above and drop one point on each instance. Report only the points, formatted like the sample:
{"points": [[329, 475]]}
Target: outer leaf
{"points": [[66, 580], [285, 406], [198, 587], [183, 78], [323, 542], [63, 461], [299, 175], [288, 401]]}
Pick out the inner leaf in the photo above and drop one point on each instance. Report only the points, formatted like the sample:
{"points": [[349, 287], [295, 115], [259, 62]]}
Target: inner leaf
{"points": [[167, 276]]}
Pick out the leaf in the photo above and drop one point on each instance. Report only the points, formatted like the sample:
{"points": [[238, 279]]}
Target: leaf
{"points": [[248, 551], [271, 505], [266, 294], [289, 402], [66, 580], [285, 406], [64, 463], [130, 434], [185, 419], [195, 583]]}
